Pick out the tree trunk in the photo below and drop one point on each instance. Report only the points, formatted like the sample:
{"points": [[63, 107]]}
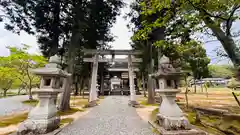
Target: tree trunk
{"points": [[83, 90], [65, 103], [195, 86], [226, 40], [4, 92], [154, 86], [76, 86], [22, 87], [83, 85], [80, 85], [19, 91], [186, 92], [89, 86], [151, 98], [30, 94], [144, 86], [30, 86], [102, 81], [76, 89], [55, 27], [201, 88], [86, 83], [73, 46], [30, 91], [206, 91]]}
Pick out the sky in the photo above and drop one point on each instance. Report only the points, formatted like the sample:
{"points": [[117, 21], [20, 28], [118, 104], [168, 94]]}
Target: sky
{"points": [[119, 30]]}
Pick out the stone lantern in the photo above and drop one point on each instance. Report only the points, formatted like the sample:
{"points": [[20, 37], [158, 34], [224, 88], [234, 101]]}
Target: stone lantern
{"points": [[43, 118], [170, 116]]}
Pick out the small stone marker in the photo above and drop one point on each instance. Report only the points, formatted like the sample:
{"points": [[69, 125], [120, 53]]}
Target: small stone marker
{"points": [[43, 118]]}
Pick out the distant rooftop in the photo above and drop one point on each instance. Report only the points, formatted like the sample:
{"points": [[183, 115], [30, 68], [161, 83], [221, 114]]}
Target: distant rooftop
{"points": [[213, 79]]}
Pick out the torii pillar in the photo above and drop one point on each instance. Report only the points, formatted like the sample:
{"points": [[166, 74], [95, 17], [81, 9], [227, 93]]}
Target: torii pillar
{"points": [[93, 87], [132, 101]]}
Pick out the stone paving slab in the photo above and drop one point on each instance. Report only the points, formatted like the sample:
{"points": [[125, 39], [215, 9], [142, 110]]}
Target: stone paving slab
{"points": [[112, 117]]}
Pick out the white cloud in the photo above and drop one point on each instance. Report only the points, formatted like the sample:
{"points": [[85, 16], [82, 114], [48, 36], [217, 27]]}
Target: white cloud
{"points": [[8, 38], [121, 31]]}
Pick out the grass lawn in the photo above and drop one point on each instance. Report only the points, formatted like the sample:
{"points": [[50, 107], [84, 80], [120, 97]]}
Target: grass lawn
{"points": [[32, 102], [143, 101], [10, 94], [218, 126], [66, 121], [153, 115], [77, 104], [212, 123], [70, 111], [13, 119]]}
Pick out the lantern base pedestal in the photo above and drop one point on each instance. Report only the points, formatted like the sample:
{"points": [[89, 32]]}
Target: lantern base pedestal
{"points": [[162, 131], [92, 104], [43, 118], [133, 103], [38, 126], [173, 123]]}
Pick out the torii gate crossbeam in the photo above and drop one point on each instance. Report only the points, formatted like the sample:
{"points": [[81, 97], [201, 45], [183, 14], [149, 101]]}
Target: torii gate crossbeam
{"points": [[112, 60], [110, 52]]}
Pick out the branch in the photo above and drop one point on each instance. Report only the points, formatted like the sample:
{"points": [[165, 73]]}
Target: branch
{"points": [[209, 41], [208, 33], [22, 80], [9, 84], [206, 12], [4, 16], [230, 20]]}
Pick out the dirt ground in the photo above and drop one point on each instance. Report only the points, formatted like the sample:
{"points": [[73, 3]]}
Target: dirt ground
{"points": [[220, 98]]}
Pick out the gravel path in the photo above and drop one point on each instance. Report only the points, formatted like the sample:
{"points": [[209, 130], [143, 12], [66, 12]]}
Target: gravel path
{"points": [[10, 105], [112, 117]]}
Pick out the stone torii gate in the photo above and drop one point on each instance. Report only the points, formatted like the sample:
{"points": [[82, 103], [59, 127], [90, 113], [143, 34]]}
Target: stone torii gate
{"points": [[96, 60]]}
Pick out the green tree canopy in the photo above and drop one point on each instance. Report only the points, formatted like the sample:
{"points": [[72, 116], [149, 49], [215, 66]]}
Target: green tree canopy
{"points": [[221, 71], [7, 78], [19, 62], [184, 16], [54, 21]]}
